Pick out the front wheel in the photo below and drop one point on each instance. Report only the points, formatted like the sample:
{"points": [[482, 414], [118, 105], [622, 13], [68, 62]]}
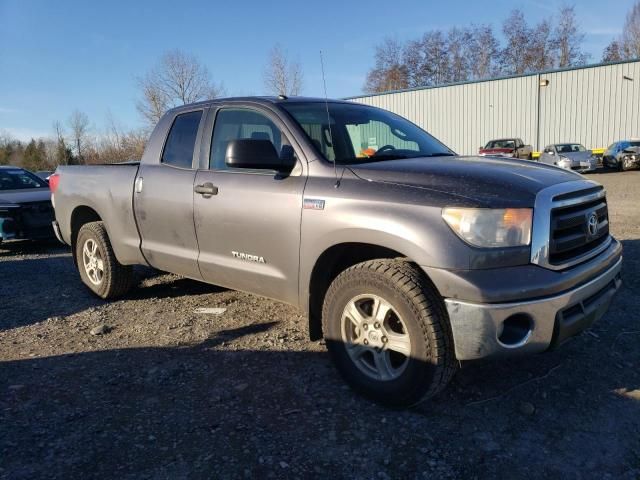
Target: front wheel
{"points": [[99, 269], [387, 331]]}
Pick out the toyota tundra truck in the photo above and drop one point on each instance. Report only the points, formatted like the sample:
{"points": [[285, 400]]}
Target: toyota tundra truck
{"points": [[405, 257]]}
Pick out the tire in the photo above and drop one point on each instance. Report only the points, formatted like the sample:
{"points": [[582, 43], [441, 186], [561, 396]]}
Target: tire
{"points": [[622, 166], [416, 323], [113, 279]]}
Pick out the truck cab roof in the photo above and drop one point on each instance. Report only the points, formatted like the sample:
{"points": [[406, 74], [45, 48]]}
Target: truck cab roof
{"points": [[264, 100]]}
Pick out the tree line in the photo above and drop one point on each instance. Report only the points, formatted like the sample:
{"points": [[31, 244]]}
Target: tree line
{"points": [[475, 53], [74, 142]]}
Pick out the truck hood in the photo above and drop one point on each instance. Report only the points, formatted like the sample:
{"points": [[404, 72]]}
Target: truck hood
{"points": [[479, 181]]}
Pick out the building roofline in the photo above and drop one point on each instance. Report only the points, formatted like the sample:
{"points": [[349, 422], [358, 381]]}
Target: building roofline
{"points": [[504, 77]]}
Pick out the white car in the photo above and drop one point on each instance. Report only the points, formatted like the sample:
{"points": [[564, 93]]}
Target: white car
{"points": [[571, 156]]}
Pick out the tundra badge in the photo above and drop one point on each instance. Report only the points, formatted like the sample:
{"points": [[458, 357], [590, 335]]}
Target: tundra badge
{"points": [[248, 257]]}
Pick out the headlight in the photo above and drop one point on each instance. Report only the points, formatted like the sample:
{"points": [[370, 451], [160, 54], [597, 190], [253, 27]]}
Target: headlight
{"points": [[484, 227]]}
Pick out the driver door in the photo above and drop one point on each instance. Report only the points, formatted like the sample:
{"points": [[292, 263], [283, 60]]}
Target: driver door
{"points": [[249, 229]]}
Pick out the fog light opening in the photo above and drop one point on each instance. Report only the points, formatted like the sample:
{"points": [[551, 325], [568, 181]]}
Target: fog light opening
{"points": [[516, 330]]}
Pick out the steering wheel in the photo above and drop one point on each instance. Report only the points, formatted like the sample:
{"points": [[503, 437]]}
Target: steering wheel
{"points": [[385, 148]]}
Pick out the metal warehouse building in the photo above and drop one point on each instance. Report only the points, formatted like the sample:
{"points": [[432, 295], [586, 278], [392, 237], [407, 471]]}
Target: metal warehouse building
{"points": [[594, 105]]}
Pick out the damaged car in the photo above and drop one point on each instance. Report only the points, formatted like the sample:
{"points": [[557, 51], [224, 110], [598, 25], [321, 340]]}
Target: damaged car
{"points": [[25, 205]]}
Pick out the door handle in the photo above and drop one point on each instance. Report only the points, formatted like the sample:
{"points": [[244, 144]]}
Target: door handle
{"points": [[206, 189]]}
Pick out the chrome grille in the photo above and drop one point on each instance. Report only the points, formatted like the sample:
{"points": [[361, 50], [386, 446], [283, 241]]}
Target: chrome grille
{"points": [[562, 236], [570, 236]]}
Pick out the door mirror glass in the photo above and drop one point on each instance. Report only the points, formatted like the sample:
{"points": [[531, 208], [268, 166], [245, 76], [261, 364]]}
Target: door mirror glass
{"points": [[257, 155]]}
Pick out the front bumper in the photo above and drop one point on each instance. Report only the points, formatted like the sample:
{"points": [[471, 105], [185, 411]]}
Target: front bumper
{"points": [[580, 167], [478, 328]]}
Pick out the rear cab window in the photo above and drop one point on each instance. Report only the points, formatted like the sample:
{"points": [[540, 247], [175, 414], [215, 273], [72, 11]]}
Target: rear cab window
{"points": [[181, 141]]}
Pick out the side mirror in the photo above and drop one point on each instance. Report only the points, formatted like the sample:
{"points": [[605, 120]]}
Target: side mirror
{"points": [[257, 155]]}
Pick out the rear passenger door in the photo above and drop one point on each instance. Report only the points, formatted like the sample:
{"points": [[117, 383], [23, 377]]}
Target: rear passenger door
{"points": [[249, 229], [163, 199]]}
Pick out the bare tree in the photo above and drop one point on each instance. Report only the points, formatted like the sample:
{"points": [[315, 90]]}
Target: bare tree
{"points": [[79, 125], [389, 71], [541, 53], [613, 52], [119, 145], [281, 75], [631, 33], [63, 154], [178, 79], [458, 47], [427, 60], [568, 39], [627, 46], [514, 58], [483, 52]]}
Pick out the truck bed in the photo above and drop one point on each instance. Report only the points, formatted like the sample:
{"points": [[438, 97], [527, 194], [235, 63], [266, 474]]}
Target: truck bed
{"points": [[105, 191]]}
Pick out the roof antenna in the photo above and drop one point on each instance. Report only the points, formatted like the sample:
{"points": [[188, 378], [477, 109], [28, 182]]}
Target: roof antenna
{"points": [[326, 104]]}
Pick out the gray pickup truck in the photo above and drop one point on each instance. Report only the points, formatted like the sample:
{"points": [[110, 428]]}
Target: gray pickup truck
{"points": [[405, 257]]}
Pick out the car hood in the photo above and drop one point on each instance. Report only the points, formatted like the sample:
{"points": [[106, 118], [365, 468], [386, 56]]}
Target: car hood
{"points": [[479, 181], [26, 195], [577, 156]]}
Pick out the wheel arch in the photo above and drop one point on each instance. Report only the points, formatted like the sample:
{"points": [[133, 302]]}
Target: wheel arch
{"points": [[80, 216], [329, 264]]}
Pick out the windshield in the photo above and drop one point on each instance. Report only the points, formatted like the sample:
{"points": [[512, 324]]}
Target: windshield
{"points": [[570, 147], [501, 144], [359, 133], [18, 179]]}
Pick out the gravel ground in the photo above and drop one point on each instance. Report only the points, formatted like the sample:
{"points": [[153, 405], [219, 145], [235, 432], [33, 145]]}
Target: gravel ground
{"points": [[165, 392]]}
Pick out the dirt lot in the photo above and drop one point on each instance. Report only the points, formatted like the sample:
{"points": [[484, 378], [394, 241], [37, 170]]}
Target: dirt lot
{"points": [[171, 393]]}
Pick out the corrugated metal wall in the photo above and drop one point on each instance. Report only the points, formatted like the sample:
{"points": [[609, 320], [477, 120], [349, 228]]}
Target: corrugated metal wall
{"points": [[594, 106]]}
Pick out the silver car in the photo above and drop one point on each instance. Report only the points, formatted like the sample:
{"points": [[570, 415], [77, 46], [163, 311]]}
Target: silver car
{"points": [[571, 156]]}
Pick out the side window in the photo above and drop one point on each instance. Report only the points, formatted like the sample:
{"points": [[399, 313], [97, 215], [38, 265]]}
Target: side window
{"points": [[241, 123], [178, 151]]}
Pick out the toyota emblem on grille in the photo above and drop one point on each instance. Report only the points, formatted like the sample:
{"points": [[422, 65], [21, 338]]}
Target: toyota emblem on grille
{"points": [[592, 224]]}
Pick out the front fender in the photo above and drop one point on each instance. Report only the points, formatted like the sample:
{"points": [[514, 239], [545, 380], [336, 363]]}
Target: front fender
{"points": [[384, 215]]}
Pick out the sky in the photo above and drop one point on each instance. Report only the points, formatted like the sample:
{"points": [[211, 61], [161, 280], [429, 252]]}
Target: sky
{"points": [[58, 56]]}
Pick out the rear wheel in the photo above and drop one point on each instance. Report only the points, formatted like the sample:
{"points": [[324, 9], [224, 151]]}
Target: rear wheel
{"points": [[99, 269], [387, 332]]}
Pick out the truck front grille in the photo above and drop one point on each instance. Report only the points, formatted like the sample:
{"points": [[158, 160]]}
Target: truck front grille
{"points": [[572, 236], [570, 224]]}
